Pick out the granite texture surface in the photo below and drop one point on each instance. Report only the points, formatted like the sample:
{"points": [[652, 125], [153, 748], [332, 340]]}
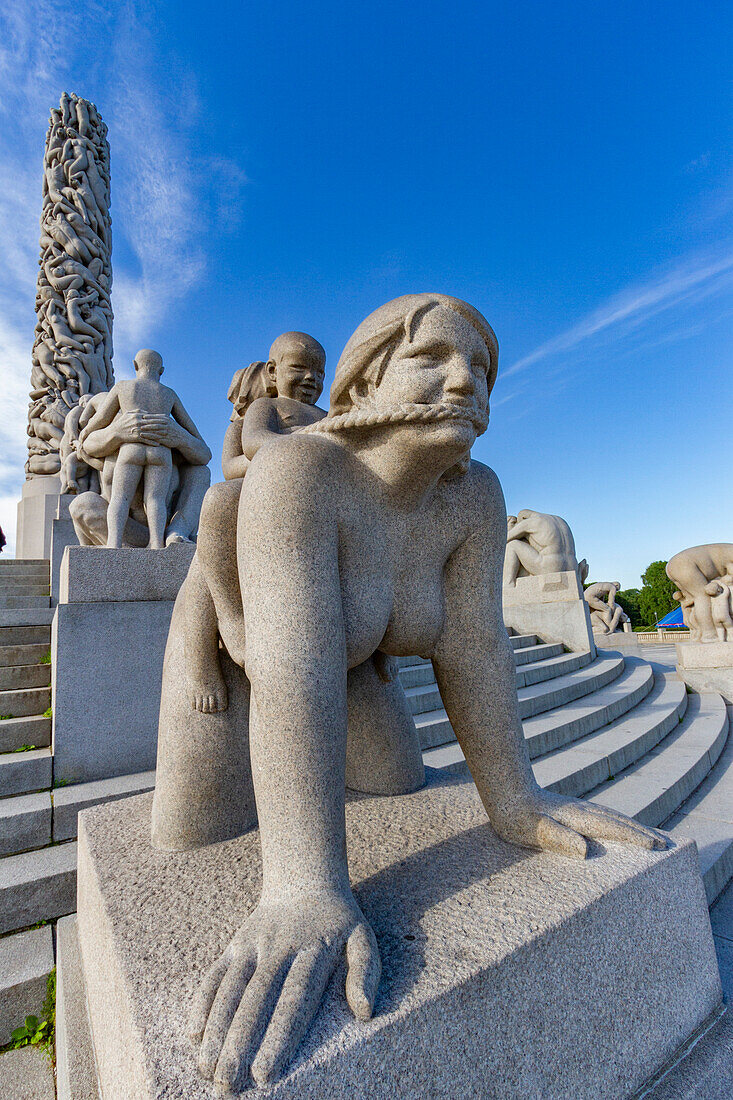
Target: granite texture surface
{"points": [[101, 574], [506, 973]]}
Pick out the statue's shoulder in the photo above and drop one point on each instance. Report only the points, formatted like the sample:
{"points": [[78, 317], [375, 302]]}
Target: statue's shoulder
{"points": [[308, 463], [481, 484]]}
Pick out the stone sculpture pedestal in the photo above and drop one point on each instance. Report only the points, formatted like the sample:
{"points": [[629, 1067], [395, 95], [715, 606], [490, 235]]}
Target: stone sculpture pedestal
{"points": [[707, 666], [553, 607], [108, 641], [506, 973], [62, 535], [36, 512]]}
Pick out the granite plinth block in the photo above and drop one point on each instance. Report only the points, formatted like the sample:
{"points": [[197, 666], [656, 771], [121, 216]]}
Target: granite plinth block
{"points": [[551, 606], [108, 657], [37, 510], [506, 973], [100, 574], [707, 666]]}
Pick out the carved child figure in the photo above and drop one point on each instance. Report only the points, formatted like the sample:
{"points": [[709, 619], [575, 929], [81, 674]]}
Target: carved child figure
{"points": [[292, 380], [721, 604], [139, 461]]}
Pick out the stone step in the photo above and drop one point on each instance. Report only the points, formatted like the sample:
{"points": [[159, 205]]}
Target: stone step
{"points": [[554, 728], [519, 641], [24, 616], [532, 653], [17, 704], [13, 566], [585, 764], [23, 654], [24, 587], [37, 886], [22, 772], [15, 637], [25, 822], [68, 801], [434, 729], [26, 960], [16, 732], [16, 677], [421, 672], [653, 789], [13, 602], [707, 818], [426, 697]]}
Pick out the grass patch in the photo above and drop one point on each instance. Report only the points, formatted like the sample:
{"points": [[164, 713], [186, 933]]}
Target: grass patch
{"points": [[46, 658], [4, 717], [24, 748], [39, 1031], [48, 713]]}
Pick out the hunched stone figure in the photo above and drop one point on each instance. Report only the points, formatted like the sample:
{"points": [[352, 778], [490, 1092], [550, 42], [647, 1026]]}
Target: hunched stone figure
{"points": [[693, 571], [537, 544], [370, 529], [605, 614]]}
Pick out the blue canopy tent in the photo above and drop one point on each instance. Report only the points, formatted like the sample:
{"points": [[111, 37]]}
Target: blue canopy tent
{"points": [[673, 619]]}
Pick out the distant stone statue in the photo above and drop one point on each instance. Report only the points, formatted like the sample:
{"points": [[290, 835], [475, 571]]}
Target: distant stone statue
{"points": [[148, 465], [368, 530], [538, 544], [605, 613], [151, 461], [702, 574]]}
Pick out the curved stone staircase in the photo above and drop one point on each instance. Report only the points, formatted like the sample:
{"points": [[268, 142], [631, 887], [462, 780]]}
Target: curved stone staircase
{"points": [[620, 731]]}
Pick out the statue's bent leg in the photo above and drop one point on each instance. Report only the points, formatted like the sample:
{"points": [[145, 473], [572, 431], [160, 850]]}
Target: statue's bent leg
{"points": [[203, 789], [195, 480], [217, 552], [383, 749]]}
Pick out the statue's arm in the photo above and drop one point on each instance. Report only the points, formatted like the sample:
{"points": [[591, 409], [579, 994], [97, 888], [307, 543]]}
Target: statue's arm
{"points": [[179, 414], [233, 462], [260, 424], [104, 415], [521, 529], [474, 667]]}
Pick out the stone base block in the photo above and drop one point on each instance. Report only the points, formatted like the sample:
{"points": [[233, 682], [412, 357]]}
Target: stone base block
{"points": [[108, 643], [36, 512], [506, 973], [707, 666], [551, 606]]}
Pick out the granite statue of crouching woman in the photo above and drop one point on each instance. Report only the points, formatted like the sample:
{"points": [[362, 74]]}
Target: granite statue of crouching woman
{"points": [[371, 530]]}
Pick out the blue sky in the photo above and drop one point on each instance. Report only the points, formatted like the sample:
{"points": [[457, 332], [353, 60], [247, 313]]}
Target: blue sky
{"points": [[565, 167]]}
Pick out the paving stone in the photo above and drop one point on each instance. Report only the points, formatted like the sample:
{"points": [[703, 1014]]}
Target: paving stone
{"points": [[26, 960], [37, 886], [21, 772], [25, 822], [26, 1074]]}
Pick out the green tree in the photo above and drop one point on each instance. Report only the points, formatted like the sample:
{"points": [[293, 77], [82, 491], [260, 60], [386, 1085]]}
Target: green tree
{"points": [[628, 598], [655, 597]]}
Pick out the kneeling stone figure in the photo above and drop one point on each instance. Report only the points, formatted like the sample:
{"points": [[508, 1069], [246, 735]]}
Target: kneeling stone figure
{"points": [[370, 530]]}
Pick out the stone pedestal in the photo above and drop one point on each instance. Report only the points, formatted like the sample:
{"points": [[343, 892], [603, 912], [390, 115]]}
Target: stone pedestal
{"points": [[36, 512], [551, 606], [108, 642], [62, 535], [507, 973], [707, 666]]}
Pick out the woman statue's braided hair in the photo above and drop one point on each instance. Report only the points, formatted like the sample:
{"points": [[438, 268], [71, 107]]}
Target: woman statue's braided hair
{"points": [[366, 357]]}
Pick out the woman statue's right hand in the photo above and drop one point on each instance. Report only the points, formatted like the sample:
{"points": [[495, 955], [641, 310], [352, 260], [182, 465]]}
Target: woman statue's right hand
{"points": [[258, 999], [138, 427]]}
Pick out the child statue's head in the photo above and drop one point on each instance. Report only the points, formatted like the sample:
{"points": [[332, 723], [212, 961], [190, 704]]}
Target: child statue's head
{"points": [[296, 364], [148, 364]]}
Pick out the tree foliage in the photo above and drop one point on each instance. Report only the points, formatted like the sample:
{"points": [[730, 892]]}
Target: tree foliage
{"points": [[628, 598], [655, 596]]}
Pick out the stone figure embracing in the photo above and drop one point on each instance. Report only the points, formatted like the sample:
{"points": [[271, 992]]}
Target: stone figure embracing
{"points": [[368, 531]]}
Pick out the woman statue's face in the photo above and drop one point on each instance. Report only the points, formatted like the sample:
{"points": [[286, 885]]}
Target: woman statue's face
{"points": [[446, 362]]}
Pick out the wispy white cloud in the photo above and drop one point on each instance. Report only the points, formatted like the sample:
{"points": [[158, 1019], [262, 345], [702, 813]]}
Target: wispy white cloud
{"points": [[691, 281]]}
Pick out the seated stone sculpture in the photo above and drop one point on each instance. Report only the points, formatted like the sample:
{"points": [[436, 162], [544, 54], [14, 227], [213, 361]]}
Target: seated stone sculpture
{"points": [[371, 529], [270, 398], [538, 544], [721, 605], [146, 464], [693, 571], [605, 614]]}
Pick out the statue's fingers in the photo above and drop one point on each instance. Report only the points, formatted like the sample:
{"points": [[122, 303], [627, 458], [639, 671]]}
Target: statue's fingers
{"points": [[553, 837], [599, 823], [299, 1001], [232, 989], [204, 998], [250, 1021], [364, 971]]}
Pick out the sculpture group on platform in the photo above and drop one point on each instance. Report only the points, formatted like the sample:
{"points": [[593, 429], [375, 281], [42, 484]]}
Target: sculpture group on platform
{"points": [[704, 579], [538, 544], [72, 350], [355, 537], [605, 614]]}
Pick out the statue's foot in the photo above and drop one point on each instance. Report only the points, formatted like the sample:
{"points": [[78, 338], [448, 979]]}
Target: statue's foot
{"points": [[210, 696], [175, 537], [258, 999]]}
